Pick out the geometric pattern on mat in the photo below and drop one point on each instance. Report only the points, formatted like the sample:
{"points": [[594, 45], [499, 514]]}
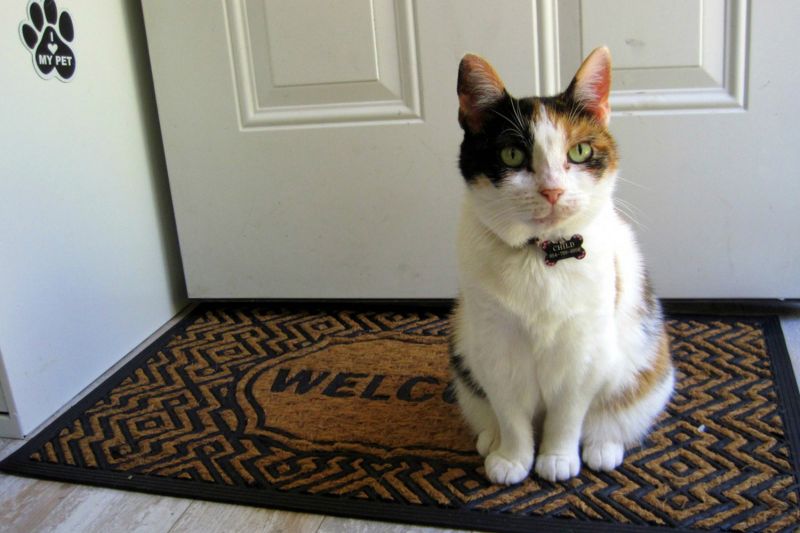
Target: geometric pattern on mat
{"points": [[354, 405]]}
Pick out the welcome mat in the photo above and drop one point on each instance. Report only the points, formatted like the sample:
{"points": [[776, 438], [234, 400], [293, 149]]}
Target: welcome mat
{"points": [[347, 411]]}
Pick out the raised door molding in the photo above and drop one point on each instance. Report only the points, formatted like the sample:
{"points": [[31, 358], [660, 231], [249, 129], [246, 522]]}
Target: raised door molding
{"points": [[682, 55], [305, 63]]}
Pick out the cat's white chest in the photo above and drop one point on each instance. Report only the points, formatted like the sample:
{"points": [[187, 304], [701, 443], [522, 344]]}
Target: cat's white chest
{"points": [[559, 307], [551, 293], [554, 307]]}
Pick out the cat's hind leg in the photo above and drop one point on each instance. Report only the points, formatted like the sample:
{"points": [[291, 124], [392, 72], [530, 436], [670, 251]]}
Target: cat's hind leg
{"points": [[479, 415], [624, 419]]}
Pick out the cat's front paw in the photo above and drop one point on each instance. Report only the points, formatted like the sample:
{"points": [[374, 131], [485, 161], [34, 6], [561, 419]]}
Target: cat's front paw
{"points": [[558, 467], [603, 456], [499, 469]]}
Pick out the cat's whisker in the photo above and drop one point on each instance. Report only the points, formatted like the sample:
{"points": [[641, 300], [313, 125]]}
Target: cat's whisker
{"points": [[503, 214], [516, 129], [646, 188], [520, 121], [629, 216], [516, 133], [576, 110], [517, 112], [501, 115], [573, 113], [631, 206]]}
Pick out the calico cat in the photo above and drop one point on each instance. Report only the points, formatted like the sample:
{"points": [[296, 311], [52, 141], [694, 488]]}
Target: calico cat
{"points": [[556, 326]]}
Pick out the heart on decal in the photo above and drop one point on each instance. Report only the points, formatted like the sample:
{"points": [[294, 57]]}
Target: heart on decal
{"points": [[52, 47]]}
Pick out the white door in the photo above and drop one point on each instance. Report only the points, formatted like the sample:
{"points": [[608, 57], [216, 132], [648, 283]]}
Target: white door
{"points": [[312, 144]]}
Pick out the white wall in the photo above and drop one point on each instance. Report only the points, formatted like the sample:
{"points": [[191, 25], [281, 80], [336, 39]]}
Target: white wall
{"points": [[89, 263]]}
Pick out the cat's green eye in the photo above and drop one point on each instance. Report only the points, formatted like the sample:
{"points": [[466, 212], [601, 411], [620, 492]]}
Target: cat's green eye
{"points": [[511, 156], [580, 153]]}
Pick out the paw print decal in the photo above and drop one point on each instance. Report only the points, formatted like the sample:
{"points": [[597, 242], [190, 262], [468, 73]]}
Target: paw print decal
{"points": [[46, 34]]}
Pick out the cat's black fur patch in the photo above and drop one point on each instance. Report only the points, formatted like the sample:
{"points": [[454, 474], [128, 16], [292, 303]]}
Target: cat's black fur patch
{"points": [[508, 123], [652, 313], [463, 374]]}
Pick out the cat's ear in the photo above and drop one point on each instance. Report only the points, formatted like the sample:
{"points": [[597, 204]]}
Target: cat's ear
{"points": [[592, 83], [479, 88]]}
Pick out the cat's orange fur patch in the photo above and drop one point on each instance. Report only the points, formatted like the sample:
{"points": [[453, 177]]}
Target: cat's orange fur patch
{"points": [[647, 379], [578, 128], [537, 106], [481, 182]]}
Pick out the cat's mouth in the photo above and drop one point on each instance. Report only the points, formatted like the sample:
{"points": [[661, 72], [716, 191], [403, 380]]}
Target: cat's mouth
{"points": [[551, 219], [556, 215]]}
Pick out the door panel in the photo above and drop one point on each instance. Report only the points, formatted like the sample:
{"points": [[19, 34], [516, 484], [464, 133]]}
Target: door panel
{"points": [[325, 189], [686, 56], [311, 63], [312, 146]]}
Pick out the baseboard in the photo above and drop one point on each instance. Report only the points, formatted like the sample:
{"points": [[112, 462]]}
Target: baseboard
{"points": [[438, 303], [746, 306], [750, 306], [9, 428], [9, 424]]}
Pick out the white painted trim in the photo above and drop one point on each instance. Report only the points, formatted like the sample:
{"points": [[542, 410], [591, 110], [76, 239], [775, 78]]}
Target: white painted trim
{"points": [[546, 48], [737, 24], [3, 405], [406, 108], [9, 423], [670, 100]]}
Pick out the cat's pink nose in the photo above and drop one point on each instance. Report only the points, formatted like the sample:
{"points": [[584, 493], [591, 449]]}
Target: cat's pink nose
{"points": [[552, 195]]}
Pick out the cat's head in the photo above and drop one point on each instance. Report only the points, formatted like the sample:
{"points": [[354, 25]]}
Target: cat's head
{"points": [[537, 167]]}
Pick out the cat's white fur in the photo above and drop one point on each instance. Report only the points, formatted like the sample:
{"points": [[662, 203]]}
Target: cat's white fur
{"points": [[557, 343]]}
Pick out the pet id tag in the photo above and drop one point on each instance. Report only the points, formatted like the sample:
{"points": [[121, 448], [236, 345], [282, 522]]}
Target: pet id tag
{"points": [[555, 251]]}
